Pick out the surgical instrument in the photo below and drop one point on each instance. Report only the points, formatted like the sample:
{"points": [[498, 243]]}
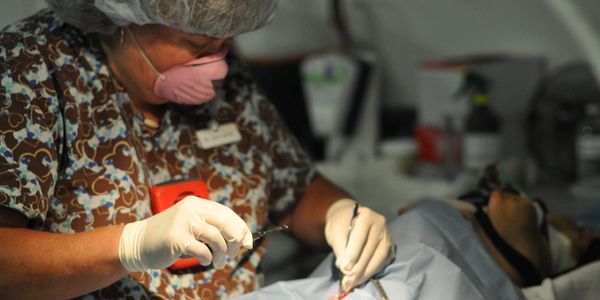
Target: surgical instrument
{"points": [[261, 233], [354, 214], [255, 237], [383, 295]]}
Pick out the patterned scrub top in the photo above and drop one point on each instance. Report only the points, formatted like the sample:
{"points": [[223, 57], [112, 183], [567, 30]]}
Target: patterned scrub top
{"points": [[74, 153]]}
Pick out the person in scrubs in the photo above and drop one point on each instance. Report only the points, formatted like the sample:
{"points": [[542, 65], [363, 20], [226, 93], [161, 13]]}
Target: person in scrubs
{"points": [[131, 141]]}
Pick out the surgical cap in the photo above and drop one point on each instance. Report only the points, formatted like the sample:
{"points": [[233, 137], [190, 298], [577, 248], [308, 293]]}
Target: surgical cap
{"points": [[215, 18]]}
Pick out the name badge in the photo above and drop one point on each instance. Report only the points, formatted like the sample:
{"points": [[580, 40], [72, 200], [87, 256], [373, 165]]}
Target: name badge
{"points": [[218, 135]]}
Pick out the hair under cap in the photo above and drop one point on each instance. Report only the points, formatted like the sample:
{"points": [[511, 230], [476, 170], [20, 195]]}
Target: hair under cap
{"points": [[215, 18]]}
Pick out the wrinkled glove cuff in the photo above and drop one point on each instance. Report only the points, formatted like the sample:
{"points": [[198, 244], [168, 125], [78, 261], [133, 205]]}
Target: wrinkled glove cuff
{"points": [[130, 246], [337, 205]]}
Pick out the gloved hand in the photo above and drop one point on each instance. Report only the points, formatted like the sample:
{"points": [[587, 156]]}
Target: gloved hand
{"points": [[184, 230], [369, 248]]}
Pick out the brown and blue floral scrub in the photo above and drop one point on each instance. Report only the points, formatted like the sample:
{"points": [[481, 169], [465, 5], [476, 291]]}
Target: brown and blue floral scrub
{"points": [[75, 157]]}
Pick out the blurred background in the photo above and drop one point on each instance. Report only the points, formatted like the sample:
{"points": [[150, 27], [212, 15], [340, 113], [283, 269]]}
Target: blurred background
{"points": [[399, 101]]}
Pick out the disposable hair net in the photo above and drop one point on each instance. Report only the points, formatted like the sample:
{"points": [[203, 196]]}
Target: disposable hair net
{"points": [[215, 18]]}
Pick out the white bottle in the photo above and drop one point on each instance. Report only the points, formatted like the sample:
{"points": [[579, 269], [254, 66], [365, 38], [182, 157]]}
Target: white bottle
{"points": [[587, 143]]}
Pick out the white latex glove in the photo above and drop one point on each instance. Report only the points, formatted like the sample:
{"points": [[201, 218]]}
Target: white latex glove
{"points": [[370, 245], [187, 229]]}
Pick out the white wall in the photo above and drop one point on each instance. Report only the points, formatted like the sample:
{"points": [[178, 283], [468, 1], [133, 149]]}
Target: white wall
{"points": [[405, 32]]}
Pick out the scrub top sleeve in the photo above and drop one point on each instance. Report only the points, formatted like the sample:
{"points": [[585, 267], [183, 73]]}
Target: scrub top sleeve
{"points": [[292, 168], [30, 123]]}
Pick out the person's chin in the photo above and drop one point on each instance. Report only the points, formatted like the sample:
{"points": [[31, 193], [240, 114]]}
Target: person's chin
{"points": [[155, 101]]}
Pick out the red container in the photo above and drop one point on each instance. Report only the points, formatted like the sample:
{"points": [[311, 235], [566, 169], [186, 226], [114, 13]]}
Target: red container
{"points": [[166, 195]]}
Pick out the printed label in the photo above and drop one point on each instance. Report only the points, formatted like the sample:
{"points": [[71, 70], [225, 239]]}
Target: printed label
{"points": [[221, 135]]}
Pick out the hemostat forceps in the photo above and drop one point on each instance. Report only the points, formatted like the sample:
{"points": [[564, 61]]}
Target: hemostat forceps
{"points": [[261, 233]]}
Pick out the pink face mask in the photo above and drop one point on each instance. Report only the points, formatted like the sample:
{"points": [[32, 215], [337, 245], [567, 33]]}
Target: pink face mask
{"points": [[191, 83]]}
